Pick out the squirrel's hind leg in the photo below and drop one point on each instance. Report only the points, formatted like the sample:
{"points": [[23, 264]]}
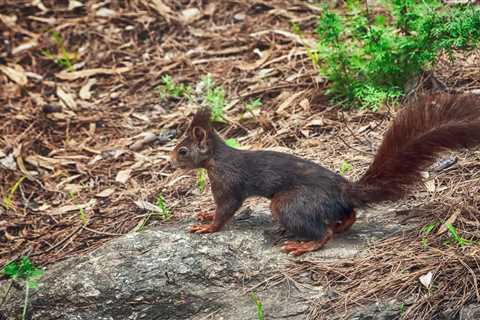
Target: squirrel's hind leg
{"points": [[310, 214], [346, 223]]}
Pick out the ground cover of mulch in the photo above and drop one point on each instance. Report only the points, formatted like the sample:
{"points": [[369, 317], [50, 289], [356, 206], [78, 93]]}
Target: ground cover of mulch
{"points": [[86, 133]]}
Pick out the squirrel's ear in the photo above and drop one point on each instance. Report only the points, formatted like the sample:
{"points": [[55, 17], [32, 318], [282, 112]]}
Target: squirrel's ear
{"points": [[199, 134], [201, 118]]}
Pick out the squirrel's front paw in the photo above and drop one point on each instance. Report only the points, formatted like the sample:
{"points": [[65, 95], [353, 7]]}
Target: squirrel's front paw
{"points": [[204, 228], [205, 216]]}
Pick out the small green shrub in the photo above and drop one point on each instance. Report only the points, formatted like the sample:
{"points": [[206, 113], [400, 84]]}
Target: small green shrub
{"points": [[214, 97], [345, 167], [171, 89], [251, 106], [165, 212], [259, 305], [8, 200], [25, 272], [62, 56], [368, 60], [456, 237]]}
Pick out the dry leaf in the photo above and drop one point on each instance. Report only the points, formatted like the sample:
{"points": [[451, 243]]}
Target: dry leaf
{"points": [[147, 138], [66, 98], [69, 76], [105, 12], [24, 46], [450, 221], [289, 101], [190, 14], [316, 123], [430, 185], [72, 187], [105, 193], [147, 206], [85, 92], [426, 279], [265, 55], [123, 176], [75, 207], [9, 162], [72, 4], [161, 8], [15, 74]]}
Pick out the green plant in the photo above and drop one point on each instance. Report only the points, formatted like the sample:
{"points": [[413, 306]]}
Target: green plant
{"points": [[26, 272], [232, 142], [83, 216], [165, 212], [81, 211], [345, 167], [251, 106], [259, 305], [8, 200], [201, 179], [402, 308], [62, 57], [426, 230], [368, 60], [454, 234], [171, 89], [214, 97]]}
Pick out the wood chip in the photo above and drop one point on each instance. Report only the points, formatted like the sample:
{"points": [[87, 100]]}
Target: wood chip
{"points": [[85, 92], [16, 74], [66, 98], [70, 76], [105, 193], [289, 101], [74, 207], [123, 176], [450, 221], [265, 55]]}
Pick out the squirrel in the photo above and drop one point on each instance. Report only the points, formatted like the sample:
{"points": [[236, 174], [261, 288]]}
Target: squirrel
{"points": [[313, 202]]}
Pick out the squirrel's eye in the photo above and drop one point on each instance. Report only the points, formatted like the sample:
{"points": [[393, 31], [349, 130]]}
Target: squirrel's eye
{"points": [[183, 151]]}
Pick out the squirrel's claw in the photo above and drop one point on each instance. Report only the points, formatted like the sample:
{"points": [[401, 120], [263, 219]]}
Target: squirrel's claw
{"points": [[203, 228], [205, 216], [297, 248]]}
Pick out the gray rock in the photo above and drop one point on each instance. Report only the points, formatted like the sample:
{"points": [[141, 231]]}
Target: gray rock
{"points": [[470, 312], [167, 273]]}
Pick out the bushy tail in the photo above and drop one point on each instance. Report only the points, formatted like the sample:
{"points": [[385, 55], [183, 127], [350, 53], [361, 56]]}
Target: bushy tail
{"points": [[420, 131]]}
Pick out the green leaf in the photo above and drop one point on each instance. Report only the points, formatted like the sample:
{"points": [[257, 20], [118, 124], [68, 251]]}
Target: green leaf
{"points": [[32, 284], [11, 270], [201, 179], [454, 234], [346, 167], [429, 228], [232, 142]]}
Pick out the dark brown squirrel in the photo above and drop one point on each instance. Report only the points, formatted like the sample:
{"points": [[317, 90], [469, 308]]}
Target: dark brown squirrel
{"points": [[311, 201]]}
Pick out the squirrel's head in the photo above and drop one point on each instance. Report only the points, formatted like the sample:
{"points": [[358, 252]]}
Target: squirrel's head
{"points": [[196, 148]]}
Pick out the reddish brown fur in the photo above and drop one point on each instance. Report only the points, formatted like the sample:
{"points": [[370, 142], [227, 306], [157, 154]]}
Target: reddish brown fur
{"points": [[420, 131], [346, 223]]}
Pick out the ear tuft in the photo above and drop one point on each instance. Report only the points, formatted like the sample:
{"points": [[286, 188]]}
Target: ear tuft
{"points": [[199, 134], [201, 118]]}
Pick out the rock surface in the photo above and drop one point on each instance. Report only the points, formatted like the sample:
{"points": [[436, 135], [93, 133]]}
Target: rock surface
{"points": [[167, 273]]}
